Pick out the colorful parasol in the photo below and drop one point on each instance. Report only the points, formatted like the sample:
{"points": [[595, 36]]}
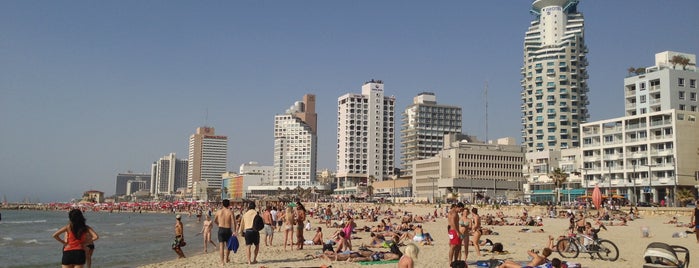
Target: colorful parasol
{"points": [[596, 197]]}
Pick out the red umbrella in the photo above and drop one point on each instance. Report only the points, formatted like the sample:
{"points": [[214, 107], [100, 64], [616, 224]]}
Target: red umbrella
{"points": [[597, 196]]}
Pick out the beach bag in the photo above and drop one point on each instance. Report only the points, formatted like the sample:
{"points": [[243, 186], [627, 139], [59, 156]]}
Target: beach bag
{"points": [[233, 244], [327, 247], [182, 243], [458, 264], [497, 247], [257, 223]]}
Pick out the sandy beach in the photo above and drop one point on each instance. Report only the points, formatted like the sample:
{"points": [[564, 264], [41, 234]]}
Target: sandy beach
{"points": [[627, 238]]}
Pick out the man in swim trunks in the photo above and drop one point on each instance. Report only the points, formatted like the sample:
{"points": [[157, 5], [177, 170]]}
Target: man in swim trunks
{"points": [[269, 226], [252, 236], [455, 235], [224, 218]]}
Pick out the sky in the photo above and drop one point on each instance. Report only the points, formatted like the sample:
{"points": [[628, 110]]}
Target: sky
{"points": [[90, 89]]}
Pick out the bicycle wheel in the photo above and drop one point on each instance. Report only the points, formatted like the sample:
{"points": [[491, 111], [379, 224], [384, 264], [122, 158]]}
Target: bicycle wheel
{"points": [[567, 248], [606, 250]]}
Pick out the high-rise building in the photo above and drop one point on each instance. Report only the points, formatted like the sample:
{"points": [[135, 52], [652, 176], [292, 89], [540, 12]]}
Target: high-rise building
{"points": [[207, 158], [667, 85], [168, 174], [423, 127], [123, 179], [554, 83], [365, 137], [295, 145]]}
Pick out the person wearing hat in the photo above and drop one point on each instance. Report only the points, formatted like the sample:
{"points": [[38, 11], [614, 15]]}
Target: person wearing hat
{"points": [[252, 236], [179, 237]]}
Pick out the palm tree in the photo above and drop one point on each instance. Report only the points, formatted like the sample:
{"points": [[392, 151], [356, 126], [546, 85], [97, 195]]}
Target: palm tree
{"points": [[631, 70], [685, 196], [559, 177], [679, 59]]}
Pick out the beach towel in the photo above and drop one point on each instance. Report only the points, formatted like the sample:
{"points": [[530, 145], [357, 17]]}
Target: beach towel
{"points": [[376, 262], [233, 244]]}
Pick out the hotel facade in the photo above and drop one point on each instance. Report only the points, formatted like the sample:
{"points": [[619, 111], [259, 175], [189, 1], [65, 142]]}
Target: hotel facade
{"points": [[207, 160], [296, 145]]}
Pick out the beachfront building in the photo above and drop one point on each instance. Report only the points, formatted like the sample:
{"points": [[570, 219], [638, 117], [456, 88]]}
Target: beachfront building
{"points": [[207, 160], [365, 139], [296, 145], [423, 126], [540, 169], [644, 157], [93, 196], [168, 176], [664, 86], [123, 179], [554, 83], [467, 169]]}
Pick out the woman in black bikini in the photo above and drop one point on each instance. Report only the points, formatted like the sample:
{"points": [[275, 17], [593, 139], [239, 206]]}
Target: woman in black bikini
{"points": [[476, 227], [91, 238]]}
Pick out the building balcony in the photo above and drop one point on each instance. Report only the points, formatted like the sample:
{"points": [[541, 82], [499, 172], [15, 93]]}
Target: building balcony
{"points": [[630, 93], [654, 88]]}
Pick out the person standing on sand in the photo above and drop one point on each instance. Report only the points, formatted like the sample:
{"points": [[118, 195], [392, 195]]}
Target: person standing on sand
{"points": [[476, 230], [206, 231], [179, 237], [252, 236], [225, 220], [454, 232], [269, 226], [300, 219], [465, 229], [289, 226], [695, 219], [75, 240]]}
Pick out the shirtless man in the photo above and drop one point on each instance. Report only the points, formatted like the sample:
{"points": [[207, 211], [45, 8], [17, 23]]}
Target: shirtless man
{"points": [[224, 218], [269, 226], [454, 232], [300, 219]]}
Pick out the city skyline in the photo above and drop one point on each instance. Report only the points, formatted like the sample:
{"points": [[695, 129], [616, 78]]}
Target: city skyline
{"points": [[90, 90]]}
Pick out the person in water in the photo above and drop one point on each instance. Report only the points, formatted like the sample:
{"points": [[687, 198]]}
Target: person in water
{"points": [[75, 240]]}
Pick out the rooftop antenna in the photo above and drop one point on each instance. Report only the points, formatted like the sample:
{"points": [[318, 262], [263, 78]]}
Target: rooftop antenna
{"points": [[206, 118], [486, 111]]}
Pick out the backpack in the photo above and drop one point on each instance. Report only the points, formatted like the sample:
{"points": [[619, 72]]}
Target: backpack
{"points": [[257, 223]]}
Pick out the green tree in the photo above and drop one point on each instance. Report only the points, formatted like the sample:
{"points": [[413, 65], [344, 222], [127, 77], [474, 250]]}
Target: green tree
{"points": [[685, 196], [558, 177]]}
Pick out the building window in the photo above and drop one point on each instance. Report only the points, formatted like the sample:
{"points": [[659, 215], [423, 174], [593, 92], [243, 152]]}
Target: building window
{"points": [[693, 108], [642, 99], [693, 96], [680, 82], [643, 86], [692, 83], [681, 95], [682, 107]]}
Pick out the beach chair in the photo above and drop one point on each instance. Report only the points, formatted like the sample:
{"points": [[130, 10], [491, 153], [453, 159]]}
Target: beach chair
{"points": [[661, 255]]}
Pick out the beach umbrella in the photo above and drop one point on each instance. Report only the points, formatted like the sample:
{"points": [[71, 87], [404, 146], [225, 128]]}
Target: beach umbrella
{"points": [[597, 196]]}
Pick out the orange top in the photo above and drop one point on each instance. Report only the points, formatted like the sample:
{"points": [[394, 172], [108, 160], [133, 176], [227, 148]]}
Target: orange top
{"points": [[73, 243]]}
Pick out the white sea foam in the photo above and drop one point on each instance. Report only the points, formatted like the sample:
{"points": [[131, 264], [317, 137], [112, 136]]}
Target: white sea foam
{"points": [[120, 224], [31, 241], [7, 238], [22, 222]]}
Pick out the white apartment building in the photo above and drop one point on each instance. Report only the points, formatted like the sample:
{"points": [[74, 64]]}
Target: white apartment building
{"points": [[365, 138], [466, 167], [645, 157], [168, 174], [295, 145], [663, 86], [207, 159], [554, 83], [424, 124], [540, 187]]}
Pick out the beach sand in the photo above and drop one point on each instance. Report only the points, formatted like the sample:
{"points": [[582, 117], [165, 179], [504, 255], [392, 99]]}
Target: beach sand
{"points": [[627, 238]]}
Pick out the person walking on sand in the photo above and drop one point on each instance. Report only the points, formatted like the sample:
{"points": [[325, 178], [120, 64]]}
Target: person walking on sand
{"points": [[206, 231], [74, 241], [269, 226], [252, 236], [476, 230], [179, 237], [225, 220]]}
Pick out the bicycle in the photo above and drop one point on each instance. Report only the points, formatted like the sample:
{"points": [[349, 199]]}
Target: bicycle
{"points": [[571, 247]]}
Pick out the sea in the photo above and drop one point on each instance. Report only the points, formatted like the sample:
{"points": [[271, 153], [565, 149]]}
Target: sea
{"points": [[126, 239]]}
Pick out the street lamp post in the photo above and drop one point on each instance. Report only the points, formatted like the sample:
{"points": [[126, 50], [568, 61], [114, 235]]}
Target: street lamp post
{"points": [[650, 181], [674, 172], [633, 180]]}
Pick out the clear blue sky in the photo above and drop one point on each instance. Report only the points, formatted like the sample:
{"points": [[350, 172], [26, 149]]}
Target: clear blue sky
{"points": [[89, 89]]}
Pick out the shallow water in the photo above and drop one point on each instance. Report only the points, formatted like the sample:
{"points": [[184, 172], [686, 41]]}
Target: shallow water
{"points": [[126, 239]]}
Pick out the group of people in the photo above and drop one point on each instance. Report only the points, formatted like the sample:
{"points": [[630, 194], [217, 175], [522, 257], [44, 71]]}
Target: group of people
{"points": [[462, 224]]}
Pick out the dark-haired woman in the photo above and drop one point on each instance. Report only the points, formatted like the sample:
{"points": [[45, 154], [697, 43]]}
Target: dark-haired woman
{"points": [[75, 240]]}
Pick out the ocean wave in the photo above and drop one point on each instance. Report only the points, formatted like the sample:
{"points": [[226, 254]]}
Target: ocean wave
{"points": [[31, 241], [52, 230], [7, 238], [120, 224], [22, 222]]}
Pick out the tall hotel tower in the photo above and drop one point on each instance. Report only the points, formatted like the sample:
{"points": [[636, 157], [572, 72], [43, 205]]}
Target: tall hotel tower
{"points": [[365, 136], [295, 145], [168, 174], [207, 158], [554, 86], [423, 127]]}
